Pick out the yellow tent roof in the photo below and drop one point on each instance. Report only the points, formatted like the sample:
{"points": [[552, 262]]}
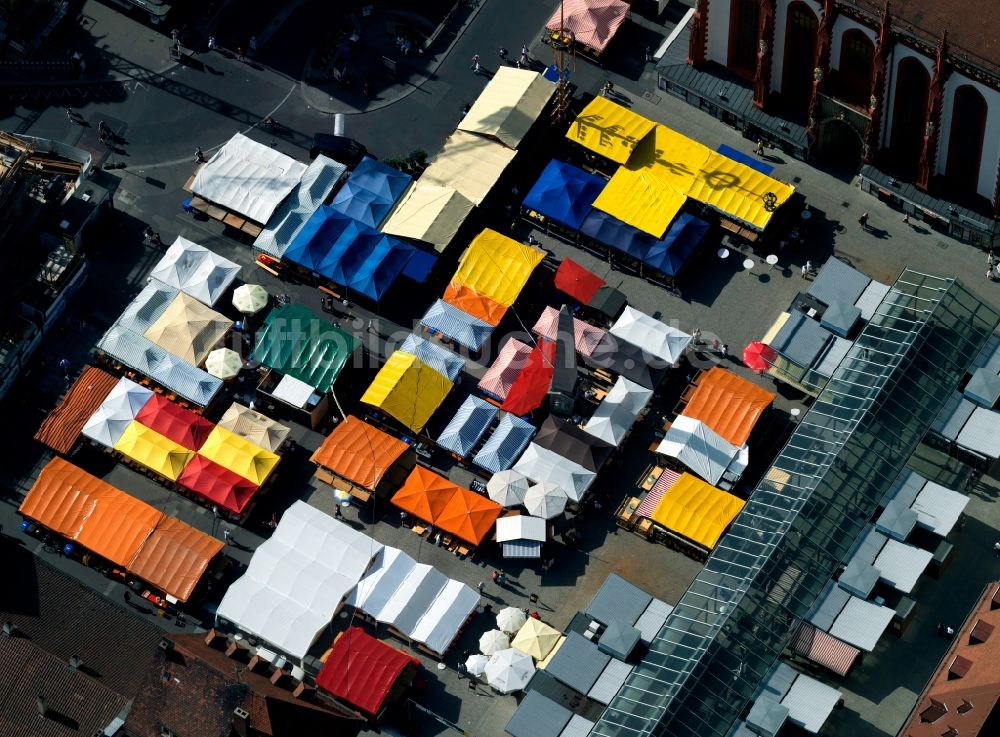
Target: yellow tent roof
{"points": [[497, 267], [507, 107], [540, 665], [642, 200], [154, 451], [739, 191], [469, 164], [697, 510], [671, 157], [609, 129], [238, 455], [535, 638], [429, 214], [407, 389], [189, 329]]}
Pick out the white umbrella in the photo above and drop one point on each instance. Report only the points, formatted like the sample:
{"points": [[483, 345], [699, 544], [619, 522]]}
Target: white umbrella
{"points": [[250, 298], [509, 670], [511, 619], [493, 641], [224, 363], [507, 488], [546, 500], [476, 664]]}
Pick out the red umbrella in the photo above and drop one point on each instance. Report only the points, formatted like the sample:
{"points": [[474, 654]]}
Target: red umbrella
{"points": [[758, 356]]}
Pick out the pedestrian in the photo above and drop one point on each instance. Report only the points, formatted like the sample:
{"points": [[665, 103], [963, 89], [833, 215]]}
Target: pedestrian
{"points": [[252, 46], [863, 221], [239, 53], [949, 631], [199, 155], [337, 512], [102, 127], [991, 273], [503, 54], [175, 35], [481, 585], [608, 88], [940, 629], [991, 259], [70, 115], [476, 66], [809, 267], [906, 219], [465, 109], [211, 43], [759, 150], [996, 548], [724, 352], [226, 535], [371, 326], [525, 54], [804, 271], [274, 520], [64, 365]]}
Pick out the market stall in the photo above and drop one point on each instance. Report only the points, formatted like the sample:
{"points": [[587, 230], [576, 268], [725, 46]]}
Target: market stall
{"points": [[451, 323], [609, 129], [697, 447], [430, 214], [696, 511], [62, 427], [218, 485], [586, 337], [466, 428], [505, 445], [531, 387], [541, 465], [107, 423], [577, 282], [728, 404], [361, 454], [654, 337], [180, 425], [613, 419], [503, 372], [449, 507], [562, 196], [408, 390], [239, 455], [508, 106], [589, 24], [469, 164], [188, 329], [195, 271], [259, 429], [371, 191], [153, 451]]}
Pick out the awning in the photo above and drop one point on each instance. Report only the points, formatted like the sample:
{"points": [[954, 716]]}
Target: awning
{"points": [[506, 367], [296, 342], [592, 22], [651, 501], [577, 663], [521, 527], [472, 303], [429, 214], [696, 510], [456, 325], [532, 384], [508, 106], [609, 129], [577, 282], [521, 549], [188, 329], [363, 671], [817, 646], [218, 485], [254, 426], [171, 420], [407, 389], [239, 455], [107, 423], [564, 194], [655, 338], [728, 404], [586, 337], [541, 465], [505, 444], [358, 452], [438, 358], [850, 619], [496, 267], [154, 451], [469, 164], [196, 271], [569, 441], [630, 361], [471, 420], [953, 416], [248, 178], [61, 429]]}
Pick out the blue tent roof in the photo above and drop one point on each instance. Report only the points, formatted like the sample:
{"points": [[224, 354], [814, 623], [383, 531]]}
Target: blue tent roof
{"points": [[564, 193], [745, 159], [614, 233], [380, 179], [361, 204], [326, 232], [670, 252]]}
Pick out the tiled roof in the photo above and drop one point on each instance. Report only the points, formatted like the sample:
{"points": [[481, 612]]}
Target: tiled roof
{"points": [[62, 427]]}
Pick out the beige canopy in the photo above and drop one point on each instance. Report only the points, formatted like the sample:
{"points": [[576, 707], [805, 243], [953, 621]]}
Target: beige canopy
{"points": [[469, 164], [188, 329], [507, 107], [255, 427], [430, 214]]}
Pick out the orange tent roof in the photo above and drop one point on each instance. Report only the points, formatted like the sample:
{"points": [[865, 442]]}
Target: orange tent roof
{"points": [[62, 427], [174, 557], [472, 303], [425, 494], [359, 452], [81, 507], [469, 516], [728, 404]]}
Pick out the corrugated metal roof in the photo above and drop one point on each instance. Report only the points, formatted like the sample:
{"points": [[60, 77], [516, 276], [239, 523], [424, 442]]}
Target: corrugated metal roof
{"points": [[608, 683], [522, 549], [871, 544], [861, 623], [617, 599], [438, 358], [538, 716], [578, 727], [505, 445], [578, 663], [810, 703], [838, 282], [900, 565], [953, 416], [456, 325], [651, 620], [871, 298], [938, 508], [767, 716], [831, 604], [780, 680], [147, 307]]}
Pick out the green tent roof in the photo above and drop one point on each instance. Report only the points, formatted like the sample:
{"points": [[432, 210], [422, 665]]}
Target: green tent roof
{"points": [[296, 342]]}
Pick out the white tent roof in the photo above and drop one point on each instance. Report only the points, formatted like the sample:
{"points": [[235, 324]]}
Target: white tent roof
{"points": [[298, 579], [810, 703], [545, 500], [651, 335], [115, 413], [540, 464], [505, 110], [520, 527], [938, 508], [900, 565], [700, 448], [861, 623], [247, 177], [389, 569], [196, 271], [616, 413], [413, 598], [981, 433], [440, 624]]}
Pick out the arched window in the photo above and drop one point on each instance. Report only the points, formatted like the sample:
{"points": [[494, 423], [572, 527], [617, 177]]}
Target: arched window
{"points": [[744, 25], [854, 77], [965, 142], [909, 110], [800, 58]]}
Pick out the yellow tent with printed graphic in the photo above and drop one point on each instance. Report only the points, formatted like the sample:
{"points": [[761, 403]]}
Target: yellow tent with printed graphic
{"points": [[642, 200], [408, 389], [496, 267], [738, 191], [697, 510], [609, 129], [239, 455], [154, 451]]}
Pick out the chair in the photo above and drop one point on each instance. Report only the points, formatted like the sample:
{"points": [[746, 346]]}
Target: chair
{"points": [[187, 206]]}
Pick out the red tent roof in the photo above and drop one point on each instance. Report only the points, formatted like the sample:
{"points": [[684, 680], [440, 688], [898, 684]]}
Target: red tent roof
{"points": [[217, 484], [532, 384], [576, 281], [173, 421], [361, 671]]}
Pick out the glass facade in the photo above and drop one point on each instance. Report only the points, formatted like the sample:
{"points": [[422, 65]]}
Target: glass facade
{"points": [[767, 572]]}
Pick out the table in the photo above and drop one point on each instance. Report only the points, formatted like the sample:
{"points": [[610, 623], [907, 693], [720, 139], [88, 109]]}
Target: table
{"points": [[748, 264], [772, 260], [723, 253], [651, 478]]}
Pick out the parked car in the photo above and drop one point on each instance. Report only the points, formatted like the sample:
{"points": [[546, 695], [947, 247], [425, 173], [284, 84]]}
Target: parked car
{"points": [[339, 148]]}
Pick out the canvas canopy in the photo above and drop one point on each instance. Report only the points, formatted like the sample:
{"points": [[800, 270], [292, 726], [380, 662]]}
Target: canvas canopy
{"points": [[466, 428], [521, 527], [259, 429], [577, 282], [239, 455], [248, 178], [586, 337], [507, 488], [616, 413], [571, 442], [506, 367], [470, 301], [438, 358], [509, 670], [196, 271], [296, 342], [425, 494], [535, 638], [358, 452], [652, 336], [447, 506], [218, 485], [159, 549], [154, 451], [564, 194], [697, 510], [298, 579], [429, 214], [505, 444], [469, 164], [632, 362], [702, 450], [496, 267], [125, 400], [188, 329], [592, 22], [363, 671], [371, 192], [608, 129], [180, 425], [442, 621], [669, 254], [508, 106], [408, 389], [645, 202], [545, 500], [457, 325], [531, 386], [540, 464], [728, 404]]}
